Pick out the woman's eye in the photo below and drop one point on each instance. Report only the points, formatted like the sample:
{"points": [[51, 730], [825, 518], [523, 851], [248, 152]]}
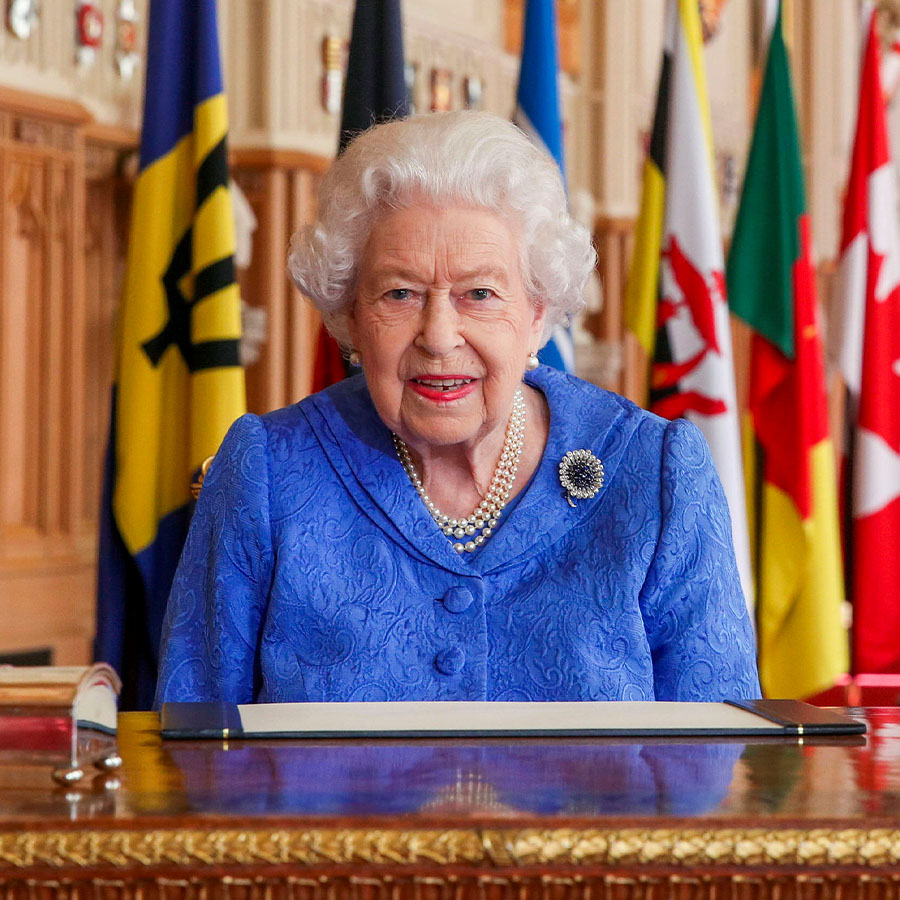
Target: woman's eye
{"points": [[400, 294], [480, 294]]}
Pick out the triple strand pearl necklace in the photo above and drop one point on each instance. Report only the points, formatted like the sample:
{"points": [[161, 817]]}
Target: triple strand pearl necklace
{"points": [[479, 526]]}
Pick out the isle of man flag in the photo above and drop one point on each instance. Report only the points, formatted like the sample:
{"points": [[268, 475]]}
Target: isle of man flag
{"points": [[868, 327]]}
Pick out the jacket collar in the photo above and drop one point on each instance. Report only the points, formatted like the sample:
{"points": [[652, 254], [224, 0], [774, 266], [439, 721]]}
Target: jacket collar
{"points": [[360, 449]]}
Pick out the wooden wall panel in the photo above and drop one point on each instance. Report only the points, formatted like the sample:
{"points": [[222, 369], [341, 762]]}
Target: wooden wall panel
{"points": [[53, 408], [304, 319], [20, 239], [281, 187], [613, 239], [105, 246]]}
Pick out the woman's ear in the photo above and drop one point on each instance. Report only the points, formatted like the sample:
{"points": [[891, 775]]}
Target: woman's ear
{"points": [[351, 324], [540, 317]]}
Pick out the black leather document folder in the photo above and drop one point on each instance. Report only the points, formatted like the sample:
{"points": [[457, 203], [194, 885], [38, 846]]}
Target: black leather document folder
{"points": [[422, 719]]}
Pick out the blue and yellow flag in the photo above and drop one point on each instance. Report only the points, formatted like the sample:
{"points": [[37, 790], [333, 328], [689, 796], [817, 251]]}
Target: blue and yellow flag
{"points": [[538, 115], [178, 384]]}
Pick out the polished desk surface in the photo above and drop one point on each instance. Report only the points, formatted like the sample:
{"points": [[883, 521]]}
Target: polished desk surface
{"points": [[778, 802]]}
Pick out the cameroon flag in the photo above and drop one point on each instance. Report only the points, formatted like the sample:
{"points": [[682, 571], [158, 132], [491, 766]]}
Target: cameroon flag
{"points": [[178, 382], [771, 286]]}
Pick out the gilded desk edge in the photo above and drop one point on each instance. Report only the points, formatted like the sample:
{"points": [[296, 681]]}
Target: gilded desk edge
{"points": [[476, 847]]}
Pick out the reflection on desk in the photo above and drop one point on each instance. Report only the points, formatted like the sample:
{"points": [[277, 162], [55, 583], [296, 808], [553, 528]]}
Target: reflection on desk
{"points": [[491, 777], [448, 820]]}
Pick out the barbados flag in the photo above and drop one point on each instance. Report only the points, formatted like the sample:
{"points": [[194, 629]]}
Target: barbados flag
{"points": [[538, 115], [178, 383]]}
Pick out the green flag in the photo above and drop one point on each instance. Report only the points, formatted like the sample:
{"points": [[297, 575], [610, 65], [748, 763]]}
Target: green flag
{"points": [[766, 240], [793, 497]]}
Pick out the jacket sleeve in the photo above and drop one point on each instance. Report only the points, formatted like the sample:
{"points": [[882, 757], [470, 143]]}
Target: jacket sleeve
{"points": [[698, 627], [211, 632]]}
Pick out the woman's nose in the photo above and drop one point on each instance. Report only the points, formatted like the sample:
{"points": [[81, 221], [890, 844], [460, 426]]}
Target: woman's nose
{"points": [[440, 326]]}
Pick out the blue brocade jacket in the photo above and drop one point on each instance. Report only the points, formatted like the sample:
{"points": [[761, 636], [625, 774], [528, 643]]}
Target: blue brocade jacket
{"points": [[313, 571]]}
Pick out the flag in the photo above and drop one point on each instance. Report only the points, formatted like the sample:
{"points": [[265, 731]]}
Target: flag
{"points": [[375, 86], [675, 298], [538, 115], [771, 286], [374, 91], [178, 382], [868, 328]]}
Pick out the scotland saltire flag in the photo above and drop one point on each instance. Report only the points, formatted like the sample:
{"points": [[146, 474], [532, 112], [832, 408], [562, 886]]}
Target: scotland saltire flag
{"points": [[538, 115], [178, 383]]}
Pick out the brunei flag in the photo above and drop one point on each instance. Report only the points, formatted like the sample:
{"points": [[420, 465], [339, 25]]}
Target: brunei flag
{"points": [[869, 339], [675, 298], [771, 286], [178, 381]]}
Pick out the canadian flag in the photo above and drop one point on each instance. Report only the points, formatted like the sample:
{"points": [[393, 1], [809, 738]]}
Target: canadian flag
{"points": [[867, 329]]}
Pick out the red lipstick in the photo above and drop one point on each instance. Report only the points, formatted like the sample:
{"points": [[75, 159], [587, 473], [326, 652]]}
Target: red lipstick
{"points": [[443, 388]]}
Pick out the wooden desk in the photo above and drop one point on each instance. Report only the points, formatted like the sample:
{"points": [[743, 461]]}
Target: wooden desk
{"points": [[496, 820]]}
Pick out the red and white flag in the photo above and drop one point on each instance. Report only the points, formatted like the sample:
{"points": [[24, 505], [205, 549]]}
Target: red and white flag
{"points": [[693, 369], [867, 328]]}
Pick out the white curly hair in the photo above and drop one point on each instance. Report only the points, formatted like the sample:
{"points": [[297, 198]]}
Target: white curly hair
{"points": [[458, 159]]}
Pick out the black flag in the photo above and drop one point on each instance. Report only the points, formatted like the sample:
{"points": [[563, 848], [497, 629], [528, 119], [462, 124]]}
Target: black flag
{"points": [[374, 91], [375, 88]]}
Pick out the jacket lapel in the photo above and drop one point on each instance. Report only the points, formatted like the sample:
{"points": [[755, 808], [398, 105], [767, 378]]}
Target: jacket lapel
{"points": [[360, 449]]}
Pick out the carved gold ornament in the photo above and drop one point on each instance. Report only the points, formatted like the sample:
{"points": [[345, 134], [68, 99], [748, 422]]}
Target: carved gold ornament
{"points": [[507, 848]]}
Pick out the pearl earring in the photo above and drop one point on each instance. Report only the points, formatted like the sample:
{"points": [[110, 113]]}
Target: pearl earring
{"points": [[533, 362], [354, 358]]}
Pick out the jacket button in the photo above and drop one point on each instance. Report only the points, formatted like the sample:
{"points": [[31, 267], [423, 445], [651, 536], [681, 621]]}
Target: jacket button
{"points": [[450, 661], [458, 599]]}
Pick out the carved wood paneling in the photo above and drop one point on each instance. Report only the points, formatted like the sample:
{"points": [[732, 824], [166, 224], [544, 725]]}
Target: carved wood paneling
{"points": [[281, 187], [58, 279], [21, 250], [613, 239], [105, 247], [304, 319]]}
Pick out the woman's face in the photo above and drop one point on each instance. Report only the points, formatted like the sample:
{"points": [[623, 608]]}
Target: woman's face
{"points": [[443, 324]]}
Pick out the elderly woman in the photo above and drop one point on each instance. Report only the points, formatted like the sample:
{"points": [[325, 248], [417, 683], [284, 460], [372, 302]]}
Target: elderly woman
{"points": [[458, 523]]}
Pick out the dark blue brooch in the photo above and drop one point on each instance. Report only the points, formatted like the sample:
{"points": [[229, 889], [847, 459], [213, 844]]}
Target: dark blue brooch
{"points": [[580, 474]]}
